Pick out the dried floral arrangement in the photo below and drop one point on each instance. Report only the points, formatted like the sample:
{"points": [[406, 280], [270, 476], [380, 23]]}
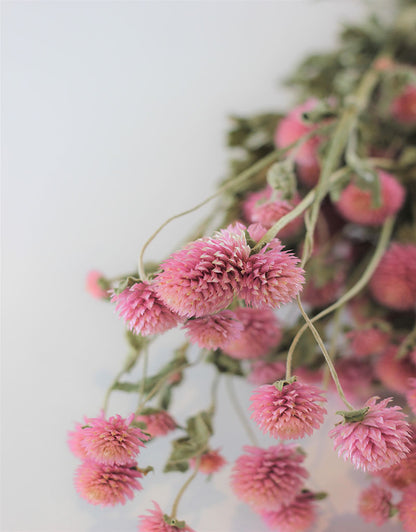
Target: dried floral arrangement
{"points": [[318, 212]]}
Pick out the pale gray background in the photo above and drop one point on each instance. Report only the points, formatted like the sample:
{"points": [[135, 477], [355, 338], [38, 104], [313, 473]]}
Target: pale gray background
{"points": [[114, 116]]}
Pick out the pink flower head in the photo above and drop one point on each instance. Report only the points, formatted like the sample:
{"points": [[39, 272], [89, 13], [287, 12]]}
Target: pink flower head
{"points": [[158, 422], [411, 395], [260, 334], [265, 478], [297, 516], [403, 473], [93, 286], [107, 485], [262, 372], [289, 411], [375, 504], [156, 521], [369, 339], [394, 282], [321, 295], [379, 440], [75, 439], [404, 106], [291, 129], [355, 204], [394, 372], [143, 311], [266, 207], [211, 332], [210, 462], [202, 278], [407, 509], [113, 441]]}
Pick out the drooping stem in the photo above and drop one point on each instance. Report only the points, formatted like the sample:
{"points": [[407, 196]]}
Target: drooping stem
{"points": [[183, 489], [239, 411]]}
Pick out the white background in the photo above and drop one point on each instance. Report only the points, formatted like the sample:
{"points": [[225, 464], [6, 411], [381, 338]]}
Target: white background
{"points": [[114, 116]]}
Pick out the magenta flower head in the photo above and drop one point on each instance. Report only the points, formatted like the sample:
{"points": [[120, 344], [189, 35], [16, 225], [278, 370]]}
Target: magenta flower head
{"points": [[113, 441], [373, 438], [370, 339], [407, 509], [403, 473], [93, 285], [157, 521], [288, 410], [375, 504], [212, 332], [203, 277], [297, 516], [210, 462], [263, 372], [75, 439], [157, 422], [266, 478], [260, 334], [143, 311], [107, 485]]}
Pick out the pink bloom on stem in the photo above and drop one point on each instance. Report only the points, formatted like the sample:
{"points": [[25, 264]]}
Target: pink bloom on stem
{"points": [[393, 284], [394, 372], [203, 277], [210, 462], [113, 441], [260, 334], [297, 516], [265, 478], [158, 422], [262, 372], [211, 332], [107, 485], [411, 395], [367, 340], [404, 106], [156, 521], [355, 204], [403, 473], [375, 504], [143, 311], [75, 439], [379, 440], [407, 509], [93, 286], [289, 413]]}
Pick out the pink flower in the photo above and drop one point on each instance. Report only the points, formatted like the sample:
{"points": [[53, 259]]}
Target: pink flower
{"points": [[158, 422], [156, 521], [260, 334], [143, 311], [379, 440], [210, 462], [266, 478], [321, 295], [211, 332], [375, 504], [394, 282], [112, 442], [289, 413], [404, 106], [355, 204], [369, 339], [107, 485], [407, 509], [356, 376], [262, 372], [296, 516], [92, 285], [403, 473], [75, 439], [203, 277], [411, 395], [394, 372]]}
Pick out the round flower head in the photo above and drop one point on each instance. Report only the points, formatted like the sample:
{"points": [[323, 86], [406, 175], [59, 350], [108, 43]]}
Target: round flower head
{"points": [[262, 372], [355, 204], [411, 395], [93, 286], [288, 410], [407, 509], [265, 478], [211, 332], [297, 516], [142, 310], [260, 334], [395, 372], [210, 462], [203, 277], [107, 485], [158, 422], [404, 106], [379, 440], [394, 282], [75, 439], [156, 521], [368, 340], [112, 441], [375, 504], [403, 473]]}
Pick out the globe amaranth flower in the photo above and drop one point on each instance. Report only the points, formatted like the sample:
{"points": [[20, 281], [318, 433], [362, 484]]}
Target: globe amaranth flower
{"points": [[113, 441], [266, 478], [157, 521], [403, 107], [263, 372], [407, 509], [379, 440], [369, 339], [75, 439], [288, 410], [403, 473], [375, 504], [92, 284], [393, 284], [297, 516], [395, 372], [107, 485], [203, 277], [210, 462], [260, 334], [212, 332], [157, 422], [411, 395], [143, 311]]}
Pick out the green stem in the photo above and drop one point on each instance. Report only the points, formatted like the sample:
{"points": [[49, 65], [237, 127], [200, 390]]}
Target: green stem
{"points": [[239, 411], [144, 375], [110, 389], [183, 489]]}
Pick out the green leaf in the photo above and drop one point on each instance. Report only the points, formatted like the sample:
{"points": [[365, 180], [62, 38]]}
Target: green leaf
{"points": [[199, 428], [127, 386], [225, 364], [281, 176], [125, 283]]}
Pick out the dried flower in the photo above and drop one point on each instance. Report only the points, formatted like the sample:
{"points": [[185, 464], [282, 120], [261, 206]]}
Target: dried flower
{"points": [[375, 504], [92, 285], [262, 372], [403, 473], [156, 521], [394, 372], [403, 107], [158, 422], [211, 332], [369, 339], [210, 462], [296, 516], [407, 509]]}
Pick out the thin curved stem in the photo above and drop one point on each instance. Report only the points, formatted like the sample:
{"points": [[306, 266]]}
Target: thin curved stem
{"points": [[183, 489], [239, 411]]}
